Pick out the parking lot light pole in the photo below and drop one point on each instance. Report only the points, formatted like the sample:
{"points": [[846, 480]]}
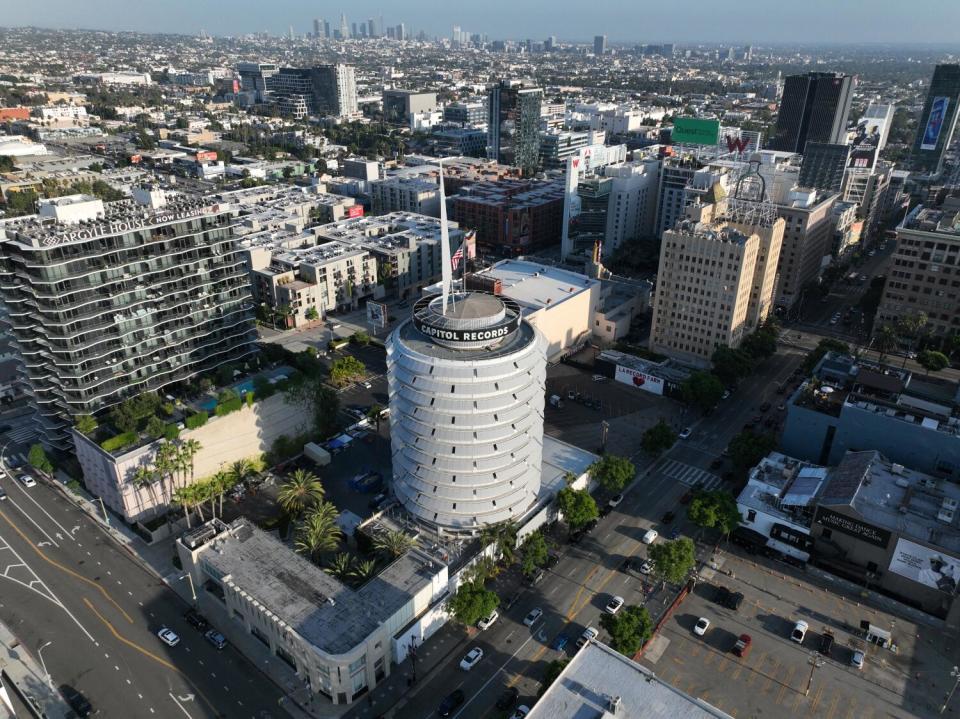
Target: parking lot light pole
{"points": [[192, 592], [815, 662], [50, 680], [955, 673]]}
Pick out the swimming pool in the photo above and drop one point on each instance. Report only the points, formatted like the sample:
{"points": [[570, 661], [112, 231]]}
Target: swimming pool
{"points": [[241, 388]]}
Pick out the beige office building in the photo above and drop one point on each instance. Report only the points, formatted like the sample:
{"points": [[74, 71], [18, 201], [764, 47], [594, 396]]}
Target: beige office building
{"points": [[716, 280]]}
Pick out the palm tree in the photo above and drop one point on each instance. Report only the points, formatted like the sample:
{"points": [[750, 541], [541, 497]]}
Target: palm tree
{"points": [[242, 470], [143, 478], [163, 463], [364, 570], [211, 490], [341, 566], [504, 536], [318, 533], [190, 448], [225, 482], [393, 543], [303, 489], [181, 497], [885, 340]]}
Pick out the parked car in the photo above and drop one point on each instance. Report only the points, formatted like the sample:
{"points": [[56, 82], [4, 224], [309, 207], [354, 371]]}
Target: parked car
{"points": [[650, 536], [701, 627], [215, 638], [26, 480], [451, 703], [742, 647], [488, 621], [856, 659], [560, 642], [196, 620], [826, 643], [615, 500], [472, 658], [552, 561], [3, 495], [508, 698], [521, 712], [168, 637], [734, 600], [535, 578], [613, 606], [588, 634], [799, 631], [685, 433], [646, 567], [674, 533], [79, 703], [533, 616]]}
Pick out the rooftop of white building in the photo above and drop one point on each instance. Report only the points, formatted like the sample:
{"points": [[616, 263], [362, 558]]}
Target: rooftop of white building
{"points": [[535, 286]]}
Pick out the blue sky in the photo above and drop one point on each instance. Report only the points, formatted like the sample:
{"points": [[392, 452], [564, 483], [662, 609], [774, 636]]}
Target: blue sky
{"points": [[739, 21]]}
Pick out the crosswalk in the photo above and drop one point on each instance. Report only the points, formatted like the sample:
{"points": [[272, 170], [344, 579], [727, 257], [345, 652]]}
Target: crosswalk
{"points": [[689, 475], [21, 435]]}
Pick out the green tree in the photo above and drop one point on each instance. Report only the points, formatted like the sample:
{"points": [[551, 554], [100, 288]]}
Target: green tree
{"points": [[613, 472], [729, 365], [312, 313], [578, 507], [504, 536], [86, 424], [322, 402], [318, 532], [884, 340], [535, 553], [360, 337], [673, 561], [340, 566], [145, 478], [155, 427], [302, 490], [933, 361], [658, 439], [761, 343], [702, 390], [364, 570], [748, 448], [715, 510], [472, 603], [550, 674], [346, 370], [628, 629], [38, 459], [394, 543]]}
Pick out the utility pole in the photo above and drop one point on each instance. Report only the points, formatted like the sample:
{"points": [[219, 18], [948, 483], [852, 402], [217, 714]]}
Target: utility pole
{"points": [[50, 680], [192, 592], [815, 661]]}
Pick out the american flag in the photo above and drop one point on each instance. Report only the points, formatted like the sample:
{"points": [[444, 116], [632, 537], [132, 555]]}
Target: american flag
{"points": [[457, 257]]}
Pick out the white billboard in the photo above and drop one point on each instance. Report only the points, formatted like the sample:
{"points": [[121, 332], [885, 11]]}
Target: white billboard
{"points": [[377, 314], [930, 567], [638, 379]]}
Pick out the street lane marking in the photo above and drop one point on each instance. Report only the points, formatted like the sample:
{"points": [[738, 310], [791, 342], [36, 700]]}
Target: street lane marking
{"points": [[62, 528], [182, 708], [66, 569], [52, 540], [147, 653]]}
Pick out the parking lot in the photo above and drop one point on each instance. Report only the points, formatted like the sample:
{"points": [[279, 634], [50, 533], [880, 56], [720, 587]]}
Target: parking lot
{"points": [[774, 678], [629, 412]]}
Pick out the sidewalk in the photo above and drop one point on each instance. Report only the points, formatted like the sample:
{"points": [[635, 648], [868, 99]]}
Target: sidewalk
{"points": [[25, 674]]}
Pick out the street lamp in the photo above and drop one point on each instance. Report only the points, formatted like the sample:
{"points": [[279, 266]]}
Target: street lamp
{"points": [[955, 673], [815, 661], [50, 680], [192, 592]]}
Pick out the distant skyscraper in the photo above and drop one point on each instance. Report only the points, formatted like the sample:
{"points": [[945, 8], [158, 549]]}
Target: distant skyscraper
{"points": [[938, 119], [455, 36], [815, 108], [401, 32], [326, 28], [354, 32], [514, 124], [599, 44], [344, 32], [372, 27], [316, 27], [550, 44]]}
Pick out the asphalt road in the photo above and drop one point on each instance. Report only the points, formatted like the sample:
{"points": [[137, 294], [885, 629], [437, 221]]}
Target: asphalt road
{"points": [[65, 582]]}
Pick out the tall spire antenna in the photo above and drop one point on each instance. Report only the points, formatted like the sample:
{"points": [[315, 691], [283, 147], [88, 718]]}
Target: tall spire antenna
{"points": [[446, 269]]}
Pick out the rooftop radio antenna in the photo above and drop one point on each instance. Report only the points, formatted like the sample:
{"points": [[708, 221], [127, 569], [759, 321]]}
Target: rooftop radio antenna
{"points": [[446, 268]]}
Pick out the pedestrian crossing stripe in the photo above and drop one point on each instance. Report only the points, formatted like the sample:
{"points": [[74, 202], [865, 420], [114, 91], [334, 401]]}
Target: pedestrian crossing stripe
{"points": [[18, 435], [689, 475]]}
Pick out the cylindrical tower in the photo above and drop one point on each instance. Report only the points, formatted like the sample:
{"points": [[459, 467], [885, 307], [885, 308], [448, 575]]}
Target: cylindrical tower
{"points": [[466, 411]]}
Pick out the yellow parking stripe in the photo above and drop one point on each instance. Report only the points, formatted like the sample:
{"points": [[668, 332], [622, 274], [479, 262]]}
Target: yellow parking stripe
{"points": [[816, 699]]}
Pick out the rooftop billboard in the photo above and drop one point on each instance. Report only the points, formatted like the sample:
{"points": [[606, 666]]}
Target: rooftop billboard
{"points": [[694, 131]]}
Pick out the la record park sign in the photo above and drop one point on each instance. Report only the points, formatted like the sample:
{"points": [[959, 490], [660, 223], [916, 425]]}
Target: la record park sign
{"points": [[638, 379]]}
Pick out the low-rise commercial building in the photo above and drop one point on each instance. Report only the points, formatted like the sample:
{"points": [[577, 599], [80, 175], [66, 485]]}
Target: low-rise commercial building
{"points": [[406, 194]]}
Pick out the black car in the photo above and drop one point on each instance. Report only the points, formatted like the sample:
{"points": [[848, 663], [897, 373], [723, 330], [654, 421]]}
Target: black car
{"points": [[722, 596], [79, 703], [734, 600], [508, 699], [196, 620], [577, 537], [667, 518], [552, 561], [450, 703], [826, 644]]}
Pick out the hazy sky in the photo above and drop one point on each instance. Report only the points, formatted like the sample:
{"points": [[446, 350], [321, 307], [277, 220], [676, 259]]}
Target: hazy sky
{"points": [[752, 21]]}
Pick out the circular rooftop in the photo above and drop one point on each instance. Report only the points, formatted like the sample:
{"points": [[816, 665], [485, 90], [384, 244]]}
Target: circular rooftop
{"points": [[473, 320]]}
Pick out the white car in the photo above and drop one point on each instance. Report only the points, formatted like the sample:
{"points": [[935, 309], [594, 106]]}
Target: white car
{"points": [[615, 500], [487, 622], [521, 712], [367, 385], [650, 536], [168, 637], [799, 631], [726, 394], [685, 433], [27, 480], [646, 567], [533, 616], [701, 627], [613, 606], [472, 659], [856, 660], [588, 634]]}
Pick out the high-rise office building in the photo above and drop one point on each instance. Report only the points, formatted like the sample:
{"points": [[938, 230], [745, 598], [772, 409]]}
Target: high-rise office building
{"points": [[514, 124], [316, 27], [824, 165], [814, 108], [256, 77], [326, 29], [344, 31], [322, 90], [108, 300], [599, 44], [466, 389], [938, 120], [550, 44], [715, 281]]}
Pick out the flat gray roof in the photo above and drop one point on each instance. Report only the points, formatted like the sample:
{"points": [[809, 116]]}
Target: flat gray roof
{"points": [[329, 615], [597, 674]]}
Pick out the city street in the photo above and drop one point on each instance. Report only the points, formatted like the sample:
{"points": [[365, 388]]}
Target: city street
{"points": [[95, 612]]}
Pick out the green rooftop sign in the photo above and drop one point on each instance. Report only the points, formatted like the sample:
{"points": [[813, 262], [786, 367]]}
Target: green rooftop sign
{"points": [[694, 131]]}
